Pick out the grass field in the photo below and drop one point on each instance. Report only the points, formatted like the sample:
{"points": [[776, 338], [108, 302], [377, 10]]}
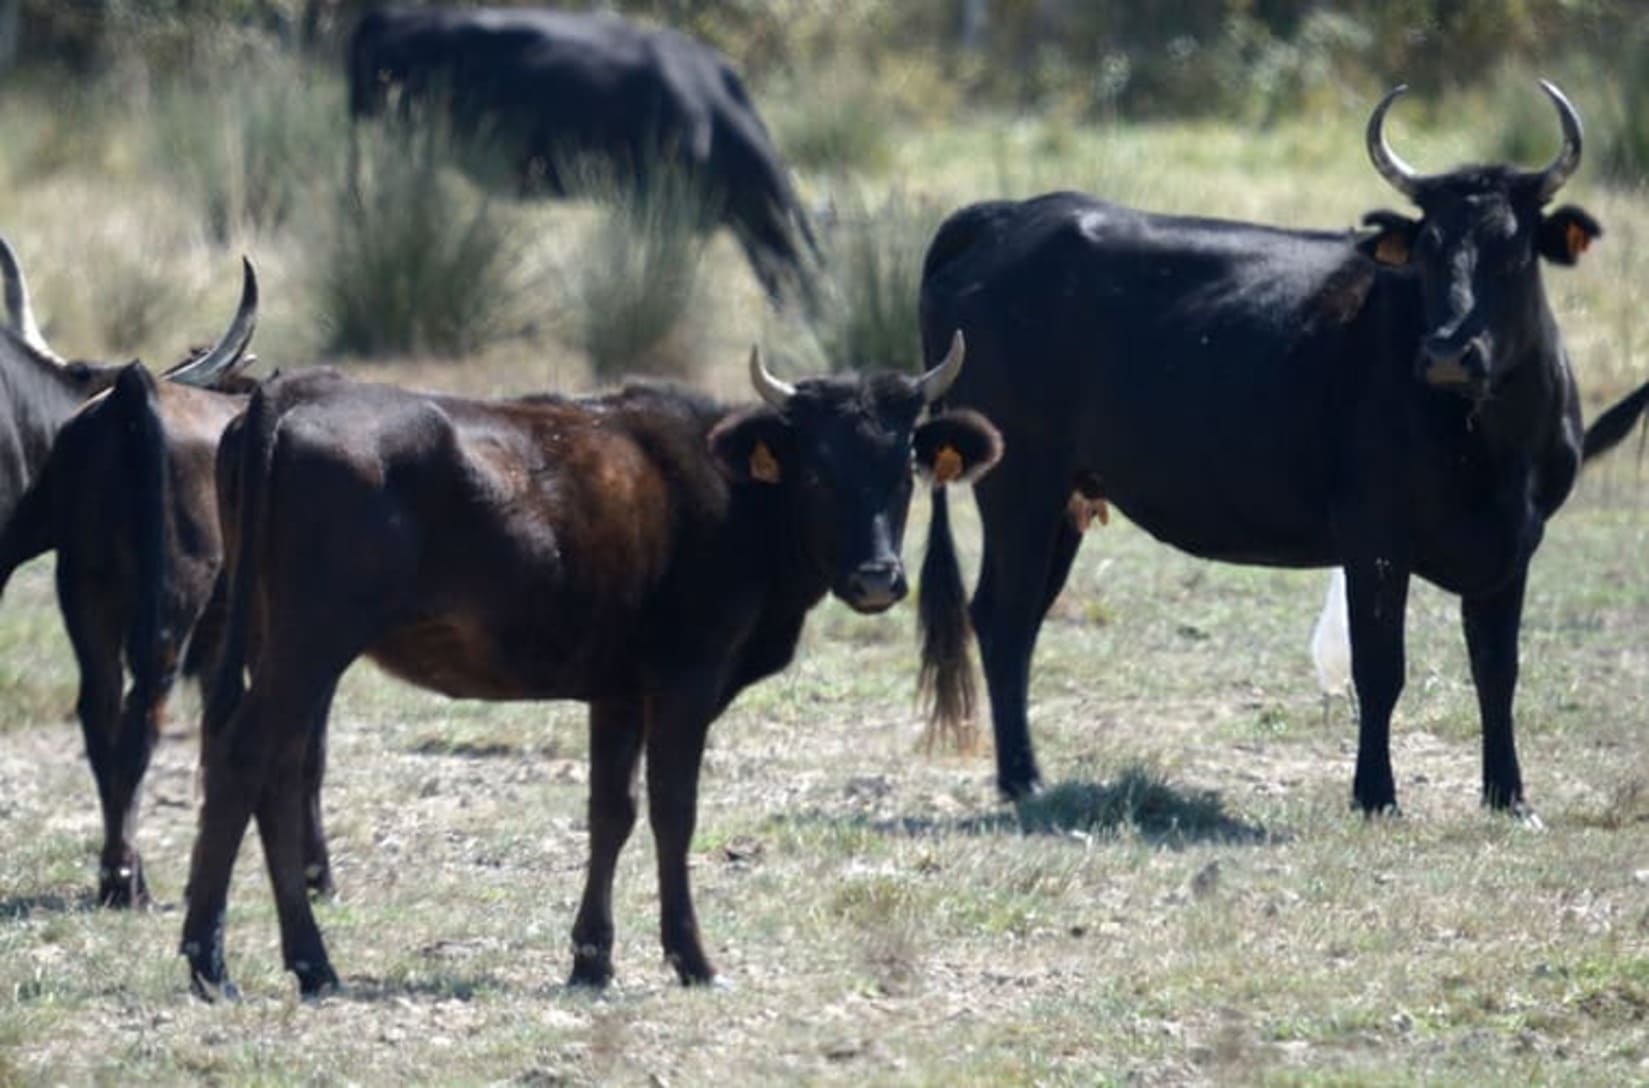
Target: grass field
{"points": [[1192, 903]]}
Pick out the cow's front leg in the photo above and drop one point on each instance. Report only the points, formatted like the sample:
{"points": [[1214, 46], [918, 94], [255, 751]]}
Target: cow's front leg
{"points": [[1376, 598], [1492, 624], [616, 730], [675, 749]]}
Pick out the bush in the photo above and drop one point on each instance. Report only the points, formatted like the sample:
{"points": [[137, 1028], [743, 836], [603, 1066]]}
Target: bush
{"points": [[635, 284], [415, 262], [874, 268], [251, 149]]}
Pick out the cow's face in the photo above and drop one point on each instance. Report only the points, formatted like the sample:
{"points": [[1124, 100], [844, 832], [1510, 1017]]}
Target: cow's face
{"points": [[1476, 250], [844, 449]]}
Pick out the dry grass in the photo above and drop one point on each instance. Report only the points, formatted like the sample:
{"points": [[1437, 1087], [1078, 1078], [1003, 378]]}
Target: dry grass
{"points": [[881, 918]]}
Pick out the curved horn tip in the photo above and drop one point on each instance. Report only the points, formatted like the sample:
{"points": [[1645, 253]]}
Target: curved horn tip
{"points": [[1399, 174], [770, 389], [937, 381], [1567, 160]]}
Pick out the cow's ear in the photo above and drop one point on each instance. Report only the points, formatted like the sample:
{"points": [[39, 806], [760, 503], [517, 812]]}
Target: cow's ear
{"points": [[959, 445], [1391, 240], [1567, 233], [753, 447]]}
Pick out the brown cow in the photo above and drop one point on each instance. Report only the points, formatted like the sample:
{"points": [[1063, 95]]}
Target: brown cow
{"points": [[126, 498], [647, 551]]}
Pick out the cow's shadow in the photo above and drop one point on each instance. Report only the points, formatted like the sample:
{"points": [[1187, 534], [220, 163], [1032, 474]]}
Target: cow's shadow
{"points": [[1135, 803], [19, 908]]}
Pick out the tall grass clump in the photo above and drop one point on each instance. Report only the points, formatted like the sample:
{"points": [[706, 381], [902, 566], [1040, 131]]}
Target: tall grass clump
{"points": [[635, 282], [415, 262], [251, 147], [874, 277]]}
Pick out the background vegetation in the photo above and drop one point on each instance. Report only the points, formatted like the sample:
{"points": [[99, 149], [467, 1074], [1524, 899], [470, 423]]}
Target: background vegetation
{"points": [[1191, 904]]}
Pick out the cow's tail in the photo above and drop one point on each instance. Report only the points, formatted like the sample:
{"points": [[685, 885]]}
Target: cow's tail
{"points": [[148, 499], [945, 684], [250, 471], [1607, 431]]}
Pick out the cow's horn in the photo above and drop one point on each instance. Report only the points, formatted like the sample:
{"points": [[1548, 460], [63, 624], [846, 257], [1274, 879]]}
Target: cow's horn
{"points": [[19, 311], [232, 345], [936, 382], [769, 388], [1402, 176], [1568, 159]]}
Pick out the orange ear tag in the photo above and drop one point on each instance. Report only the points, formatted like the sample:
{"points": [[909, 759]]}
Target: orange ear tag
{"points": [[763, 465], [1576, 238], [1392, 248], [947, 465]]}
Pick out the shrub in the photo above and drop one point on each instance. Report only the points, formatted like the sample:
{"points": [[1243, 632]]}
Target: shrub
{"points": [[415, 261], [874, 276], [251, 148]]}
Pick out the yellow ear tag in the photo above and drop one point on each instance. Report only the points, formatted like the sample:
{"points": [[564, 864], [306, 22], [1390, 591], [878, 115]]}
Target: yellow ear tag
{"points": [[763, 465], [1392, 248], [947, 465], [1576, 238]]}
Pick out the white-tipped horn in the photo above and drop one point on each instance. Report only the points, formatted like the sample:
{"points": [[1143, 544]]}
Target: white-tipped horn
{"points": [[936, 382], [770, 389], [1568, 158], [19, 311], [1403, 177], [232, 345]]}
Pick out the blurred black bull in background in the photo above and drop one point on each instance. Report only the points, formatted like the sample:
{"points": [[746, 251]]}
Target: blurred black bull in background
{"points": [[550, 90]]}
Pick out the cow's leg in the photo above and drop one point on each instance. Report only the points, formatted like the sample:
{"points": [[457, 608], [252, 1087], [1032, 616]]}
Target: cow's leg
{"points": [[616, 731], [284, 826], [1376, 597], [233, 770], [317, 862], [1029, 548], [1492, 624], [675, 748], [93, 624]]}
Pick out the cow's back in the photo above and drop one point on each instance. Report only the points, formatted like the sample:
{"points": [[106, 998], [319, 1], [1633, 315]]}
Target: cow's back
{"points": [[1191, 367]]}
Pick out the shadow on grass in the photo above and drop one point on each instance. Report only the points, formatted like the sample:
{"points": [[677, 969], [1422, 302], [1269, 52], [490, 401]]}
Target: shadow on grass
{"points": [[18, 908], [437, 985], [1137, 802]]}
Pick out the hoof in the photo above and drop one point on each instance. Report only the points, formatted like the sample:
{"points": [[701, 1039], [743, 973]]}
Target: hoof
{"points": [[122, 888], [1526, 817], [590, 976], [692, 971], [315, 980]]}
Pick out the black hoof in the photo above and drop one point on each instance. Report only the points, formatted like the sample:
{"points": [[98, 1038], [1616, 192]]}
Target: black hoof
{"points": [[122, 889], [590, 978], [692, 970], [315, 980]]}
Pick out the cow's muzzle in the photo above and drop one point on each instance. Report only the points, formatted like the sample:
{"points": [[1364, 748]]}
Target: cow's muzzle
{"points": [[875, 586], [1452, 363]]}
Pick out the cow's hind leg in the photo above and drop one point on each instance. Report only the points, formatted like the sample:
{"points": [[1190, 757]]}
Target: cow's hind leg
{"points": [[1492, 624], [317, 862], [1376, 597], [1029, 548], [93, 624], [616, 733], [284, 825], [232, 782]]}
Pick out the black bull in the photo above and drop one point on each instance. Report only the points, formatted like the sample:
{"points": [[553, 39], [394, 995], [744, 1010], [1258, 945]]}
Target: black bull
{"points": [[550, 88], [1397, 402], [646, 551]]}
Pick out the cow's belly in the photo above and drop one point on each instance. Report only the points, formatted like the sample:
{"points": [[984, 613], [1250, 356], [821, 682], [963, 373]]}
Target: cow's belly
{"points": [[464, 657]]}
